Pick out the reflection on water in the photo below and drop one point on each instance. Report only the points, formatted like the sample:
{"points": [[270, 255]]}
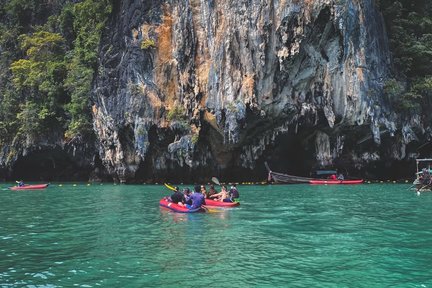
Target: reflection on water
{"points": [[293, 235]]}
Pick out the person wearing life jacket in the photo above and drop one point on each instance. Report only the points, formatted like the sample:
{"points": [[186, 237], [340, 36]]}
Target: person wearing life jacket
{"points": [[333, 177]]}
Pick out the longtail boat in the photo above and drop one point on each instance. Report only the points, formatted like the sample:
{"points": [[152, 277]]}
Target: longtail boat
{"points": [[282, 178]]}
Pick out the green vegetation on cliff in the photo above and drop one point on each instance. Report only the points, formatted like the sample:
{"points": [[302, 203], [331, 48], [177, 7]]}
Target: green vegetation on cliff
{"points": [[48, 58], [409, 25]]}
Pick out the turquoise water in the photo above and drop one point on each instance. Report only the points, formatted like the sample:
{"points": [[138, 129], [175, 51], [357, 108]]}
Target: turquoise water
{"points": [[370, 235]]}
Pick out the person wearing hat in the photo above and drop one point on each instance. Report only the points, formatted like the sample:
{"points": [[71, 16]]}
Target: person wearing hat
{"points": [[197, 198]]}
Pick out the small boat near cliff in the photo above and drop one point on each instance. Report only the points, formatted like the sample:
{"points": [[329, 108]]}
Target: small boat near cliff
{"points": [[282, 178], [423, 180], [335, 182], [29, 187]]}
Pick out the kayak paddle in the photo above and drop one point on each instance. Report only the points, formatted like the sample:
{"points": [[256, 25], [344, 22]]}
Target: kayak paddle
{"points": [[170, 187], [215, 180]]}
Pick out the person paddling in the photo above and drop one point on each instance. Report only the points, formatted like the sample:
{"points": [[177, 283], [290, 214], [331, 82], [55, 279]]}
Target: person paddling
{"points": [[197, 198], [221, 196]]}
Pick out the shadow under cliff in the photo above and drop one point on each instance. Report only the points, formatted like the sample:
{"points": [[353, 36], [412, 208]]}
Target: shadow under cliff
{"points": [[56, 165]]}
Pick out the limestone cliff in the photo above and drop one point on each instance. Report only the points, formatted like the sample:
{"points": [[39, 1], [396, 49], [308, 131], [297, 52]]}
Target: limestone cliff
{"points": [[199, 87]]}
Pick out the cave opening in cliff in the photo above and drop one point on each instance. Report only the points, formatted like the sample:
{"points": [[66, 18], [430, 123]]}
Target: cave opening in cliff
{"points": [[47, 165], [291, 154]]}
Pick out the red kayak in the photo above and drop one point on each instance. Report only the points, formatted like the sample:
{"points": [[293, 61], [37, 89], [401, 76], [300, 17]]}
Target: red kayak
{"points": [[29, 187], [177, 208], [332, 182], [214, 203]]}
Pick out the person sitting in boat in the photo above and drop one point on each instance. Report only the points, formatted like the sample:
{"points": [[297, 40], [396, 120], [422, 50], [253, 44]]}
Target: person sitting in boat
{"points": [[233, 193], [204, 191], [21, 183], [212, 191], [197, 198], [177, 197], [187, 196], [221, 196], [333, 177], [425, 177], [340, 177]]}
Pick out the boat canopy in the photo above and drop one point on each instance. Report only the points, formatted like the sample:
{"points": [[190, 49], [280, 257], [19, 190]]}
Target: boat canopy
{"points": [[326, 172], [424, 160], [423, 163]]}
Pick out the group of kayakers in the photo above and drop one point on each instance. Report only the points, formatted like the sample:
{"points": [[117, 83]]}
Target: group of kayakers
{"points": [[224, 195], [197, 198]]}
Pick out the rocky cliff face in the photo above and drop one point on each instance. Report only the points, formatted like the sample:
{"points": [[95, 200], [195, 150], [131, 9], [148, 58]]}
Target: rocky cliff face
{"points": [[188, 89], [198, 87]]}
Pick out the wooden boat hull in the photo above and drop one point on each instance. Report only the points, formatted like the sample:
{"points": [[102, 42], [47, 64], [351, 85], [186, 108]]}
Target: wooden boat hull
{"points": [[281, 178], [422, 186], [291, 179]]}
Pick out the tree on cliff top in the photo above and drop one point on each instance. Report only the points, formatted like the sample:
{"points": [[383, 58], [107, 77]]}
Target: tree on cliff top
{"points": [[409, 24]]}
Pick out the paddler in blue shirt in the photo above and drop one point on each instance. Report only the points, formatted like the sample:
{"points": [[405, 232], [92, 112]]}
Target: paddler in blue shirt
{"points": [[197, 198]]}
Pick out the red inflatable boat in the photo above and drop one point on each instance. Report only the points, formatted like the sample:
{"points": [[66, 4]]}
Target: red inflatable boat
{"points": [[213, 203], [332, 182], [177, 208], [30, 187]]}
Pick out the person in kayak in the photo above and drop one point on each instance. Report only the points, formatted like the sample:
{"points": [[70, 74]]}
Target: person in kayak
{"points": [[21, 183], [212, 191], [204, 191], [177, 197], [233, 193], [197, 198], [221, 196], [187, 196]]}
